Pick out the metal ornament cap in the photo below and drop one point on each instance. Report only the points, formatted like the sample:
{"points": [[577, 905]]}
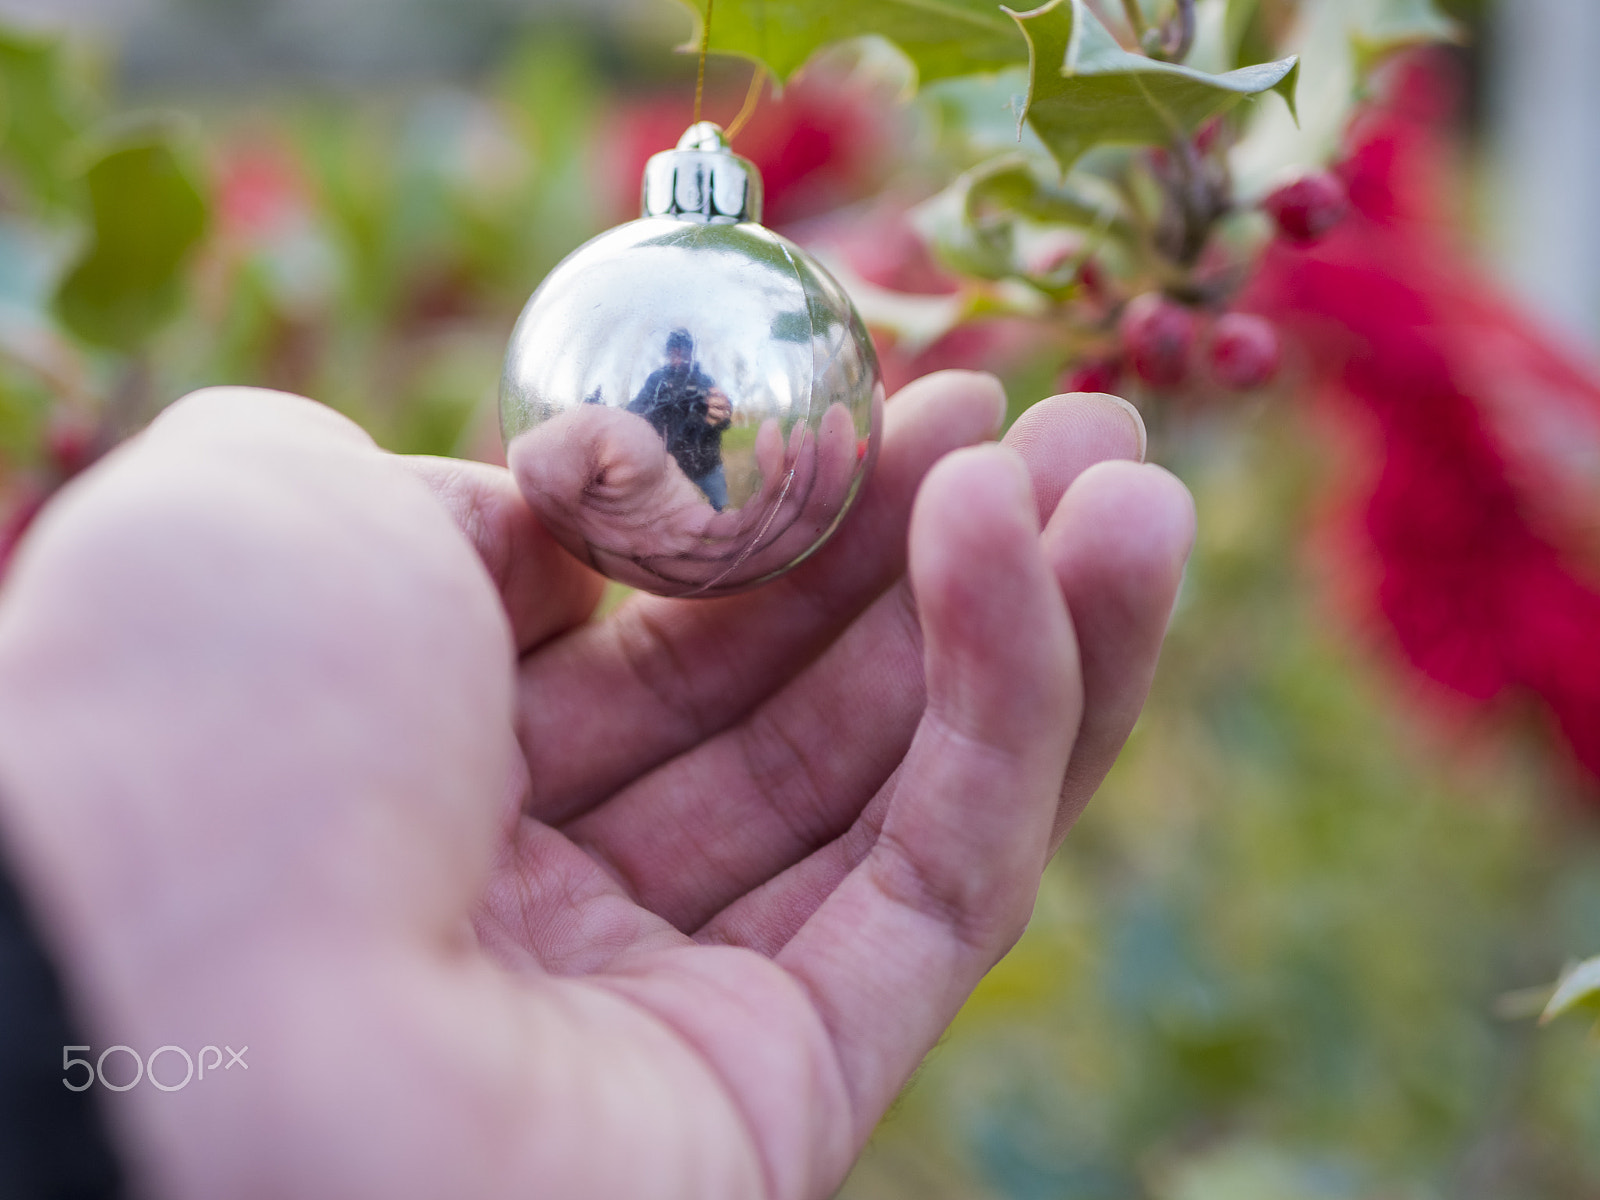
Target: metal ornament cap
{"points": [[702, 180], [690, 402]]}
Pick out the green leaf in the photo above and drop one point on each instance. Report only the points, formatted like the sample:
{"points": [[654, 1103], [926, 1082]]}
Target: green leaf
{"points": [[1238, 18], [960, 240], [1578, 989], [1100, 93], [43, 118], [148, 215], [941, 37], [1013, 183], [792, 327], [971, 224]]}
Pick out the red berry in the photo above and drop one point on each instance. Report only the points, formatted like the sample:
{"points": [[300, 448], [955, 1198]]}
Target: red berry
{"points": [[1309, 207], [70, 440], [1243, 352], [1158, 334], [1092, 375], [1093, 278]]}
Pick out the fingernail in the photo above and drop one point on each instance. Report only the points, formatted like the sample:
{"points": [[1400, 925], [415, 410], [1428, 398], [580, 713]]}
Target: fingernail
{"points": [[1001, 404], [1133, 415]]}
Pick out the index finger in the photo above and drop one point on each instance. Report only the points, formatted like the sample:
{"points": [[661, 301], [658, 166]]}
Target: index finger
{"points": [[544, 589]]}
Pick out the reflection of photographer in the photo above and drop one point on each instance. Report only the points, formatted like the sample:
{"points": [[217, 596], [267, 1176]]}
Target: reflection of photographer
{"points": [[689, 411]]}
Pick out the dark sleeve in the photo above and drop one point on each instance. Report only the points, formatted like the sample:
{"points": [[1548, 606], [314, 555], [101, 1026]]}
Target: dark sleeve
{"points": [[53, 1144], [645, 402]]}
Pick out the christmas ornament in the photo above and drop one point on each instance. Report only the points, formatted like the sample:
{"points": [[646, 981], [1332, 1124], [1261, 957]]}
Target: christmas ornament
{"points": [[690, 402]]}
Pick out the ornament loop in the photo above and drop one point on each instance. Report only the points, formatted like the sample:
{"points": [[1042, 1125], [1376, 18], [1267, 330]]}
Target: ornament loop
{"points": [[703, 135], [702, 180]]}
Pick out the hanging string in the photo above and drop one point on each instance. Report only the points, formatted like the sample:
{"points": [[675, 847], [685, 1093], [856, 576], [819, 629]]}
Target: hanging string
{"points": [[751, 99], [700, 75]]}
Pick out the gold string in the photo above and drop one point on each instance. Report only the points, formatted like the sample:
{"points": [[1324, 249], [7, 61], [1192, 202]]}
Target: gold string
{"points": [[700, 75], [751, 99]]}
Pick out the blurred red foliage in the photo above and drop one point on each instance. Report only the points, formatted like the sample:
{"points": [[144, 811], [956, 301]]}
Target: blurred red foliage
{"points": [[260, 190], [883, 248], [993, 344], [1479, 529]]}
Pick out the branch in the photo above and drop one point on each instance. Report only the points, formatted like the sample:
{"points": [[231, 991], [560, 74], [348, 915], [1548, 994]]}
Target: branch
{"points": [[1173, 41], [1135, 18], [1184, 41]]}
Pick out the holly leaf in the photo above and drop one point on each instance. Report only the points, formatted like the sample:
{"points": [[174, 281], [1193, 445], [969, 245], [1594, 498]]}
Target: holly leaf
{"points": [[970, 224], [148, 215], [1578, 989], [1012, 183], [1237, 17], [960, 238], [1086, 90], [942, 38], [43, 115]]}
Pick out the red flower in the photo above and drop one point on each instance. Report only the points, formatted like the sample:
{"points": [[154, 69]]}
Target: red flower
{"points": [[1480, 524]]}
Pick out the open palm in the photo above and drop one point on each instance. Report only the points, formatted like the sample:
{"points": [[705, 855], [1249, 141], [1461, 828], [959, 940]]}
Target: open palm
{"points": [[754, 852]]}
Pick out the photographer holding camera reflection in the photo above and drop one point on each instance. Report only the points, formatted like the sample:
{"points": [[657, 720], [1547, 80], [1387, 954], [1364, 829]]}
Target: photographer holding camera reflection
{"points": [[689, 411]]}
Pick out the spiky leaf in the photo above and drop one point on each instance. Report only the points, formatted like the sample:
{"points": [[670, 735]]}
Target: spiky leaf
{"points": [[941, 37], [1087, 90]]}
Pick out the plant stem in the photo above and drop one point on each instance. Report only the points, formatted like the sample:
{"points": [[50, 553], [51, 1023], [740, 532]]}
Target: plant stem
{"points": [[1175, 37], [1135, 17], [1184, 42], [752, 97], [1197, 202], [700, 73]]}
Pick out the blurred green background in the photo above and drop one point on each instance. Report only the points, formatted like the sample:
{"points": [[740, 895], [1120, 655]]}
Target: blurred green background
{"points": [[1294, 949]]}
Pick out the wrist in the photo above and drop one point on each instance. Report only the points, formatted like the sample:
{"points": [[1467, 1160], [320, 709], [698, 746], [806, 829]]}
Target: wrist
{"points": [[53, 1141]]}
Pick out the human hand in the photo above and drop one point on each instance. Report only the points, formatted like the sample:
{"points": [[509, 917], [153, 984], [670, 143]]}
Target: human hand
{"points": [[601, 480], [508, 902], [719, 409]]}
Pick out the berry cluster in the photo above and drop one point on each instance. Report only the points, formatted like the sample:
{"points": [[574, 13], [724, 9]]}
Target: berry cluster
{"points": [[1186, 337], [1162, 338]]}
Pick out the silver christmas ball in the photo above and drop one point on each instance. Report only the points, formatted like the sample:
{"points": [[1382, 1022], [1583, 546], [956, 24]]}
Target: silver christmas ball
{"points": [[690, 402]]}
